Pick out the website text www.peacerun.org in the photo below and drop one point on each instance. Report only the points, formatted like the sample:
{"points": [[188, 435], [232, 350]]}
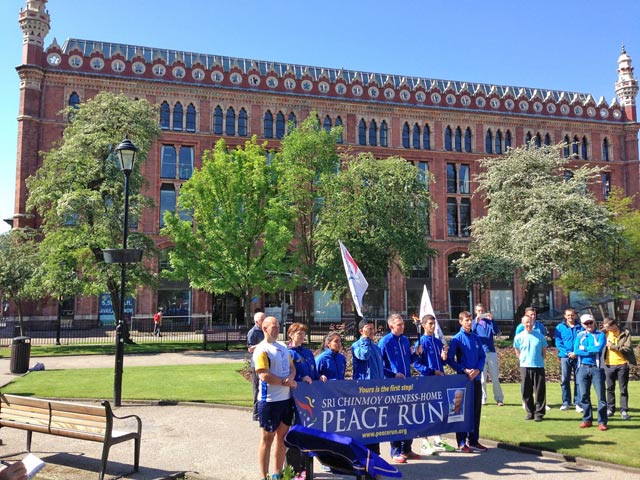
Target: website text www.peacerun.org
{"points": [[400, 431]]}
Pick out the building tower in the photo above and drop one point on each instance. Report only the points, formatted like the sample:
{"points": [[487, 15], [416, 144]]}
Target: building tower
{"points": [[35, 23], [627, 86]]}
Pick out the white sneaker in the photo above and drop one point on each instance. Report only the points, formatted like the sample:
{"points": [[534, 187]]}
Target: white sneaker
{"points": [[547, 407], [564, 407], [579, 409], [427, 448]]}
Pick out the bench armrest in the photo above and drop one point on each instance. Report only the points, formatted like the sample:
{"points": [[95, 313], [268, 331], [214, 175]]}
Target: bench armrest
{"points": [[138, 420]]}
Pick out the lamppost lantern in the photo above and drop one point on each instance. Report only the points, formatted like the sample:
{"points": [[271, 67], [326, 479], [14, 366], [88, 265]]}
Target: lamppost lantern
{"points": [[127, 155]]}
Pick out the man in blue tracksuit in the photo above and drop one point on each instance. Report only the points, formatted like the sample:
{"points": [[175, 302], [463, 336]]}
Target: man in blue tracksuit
{"points": [[396, 357], [467, 357], [565, 337]]}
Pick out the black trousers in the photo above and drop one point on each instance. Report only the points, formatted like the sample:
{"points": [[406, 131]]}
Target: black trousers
{"points": [[534, 391]]}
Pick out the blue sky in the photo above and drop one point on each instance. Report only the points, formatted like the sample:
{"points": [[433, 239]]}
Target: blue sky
{"points": [[566, 45]]}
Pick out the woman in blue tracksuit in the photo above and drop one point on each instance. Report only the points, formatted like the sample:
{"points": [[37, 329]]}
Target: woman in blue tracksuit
{"points": [[331, 364], [302, 357]]}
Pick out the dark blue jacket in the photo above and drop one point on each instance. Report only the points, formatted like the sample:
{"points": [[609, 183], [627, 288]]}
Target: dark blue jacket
{"points": [[465, 351], [396, 355], [331, 364], [430, 361], [367, 360], [565, 338], [485, 329], [304, 362]]}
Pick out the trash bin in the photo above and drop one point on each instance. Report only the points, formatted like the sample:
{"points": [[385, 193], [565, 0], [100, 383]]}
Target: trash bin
{"points": [[20, 353]]}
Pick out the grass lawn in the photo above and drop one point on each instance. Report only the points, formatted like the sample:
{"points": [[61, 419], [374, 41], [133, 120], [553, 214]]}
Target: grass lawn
{"points": [[223, 384]]}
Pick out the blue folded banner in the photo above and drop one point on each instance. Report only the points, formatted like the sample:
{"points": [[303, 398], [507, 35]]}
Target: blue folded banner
{"points": [[391, 409]]}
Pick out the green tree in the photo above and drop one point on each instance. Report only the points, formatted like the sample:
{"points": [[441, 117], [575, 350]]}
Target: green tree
{"points": [[79, 194], [612, 268], [18, 263], [308, 158], [380, 210], [540, 219], [241, 229]]}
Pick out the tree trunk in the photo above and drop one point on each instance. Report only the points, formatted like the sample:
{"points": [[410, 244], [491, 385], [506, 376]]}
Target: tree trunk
{"points": [[526, 302], [20, 319], [248, 321]]}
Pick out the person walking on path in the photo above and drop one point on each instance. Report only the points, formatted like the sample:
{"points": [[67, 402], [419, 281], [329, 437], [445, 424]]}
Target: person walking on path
{"points": [[618, 356], [157, 322], [589, 346], [397, 356], [254, 336], [275, 367], [565, 336], [467, 357], [531, 348], [431, 355], [486, 329]]}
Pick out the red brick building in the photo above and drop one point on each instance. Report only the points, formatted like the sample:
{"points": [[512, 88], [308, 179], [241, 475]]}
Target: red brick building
{"points": [[442, 126]]}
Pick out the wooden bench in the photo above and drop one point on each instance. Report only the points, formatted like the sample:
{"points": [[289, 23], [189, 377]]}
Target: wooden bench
{"points": [[222, 334], [67, 419]]}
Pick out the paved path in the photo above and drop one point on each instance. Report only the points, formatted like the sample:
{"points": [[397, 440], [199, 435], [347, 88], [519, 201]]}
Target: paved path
{"points": [[210, 442]]}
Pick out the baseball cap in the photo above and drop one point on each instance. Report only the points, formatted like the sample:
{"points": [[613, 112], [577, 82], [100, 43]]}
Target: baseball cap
{"points": [[587, 317]]}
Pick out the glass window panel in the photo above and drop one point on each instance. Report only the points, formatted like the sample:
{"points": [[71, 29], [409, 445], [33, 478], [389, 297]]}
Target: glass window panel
{"points": [[452, 179], [177, 117], [507, 139], [230, 123], [280, 125], [383, 134], [465, 217], [191, 118], [464, 180], [416, 136], [447, 139], [488, 142], [362, 132], [167, 201], [242, 123], [186, 162], [168, 166], [452, 217], [373, 133], [574, 146], [327, 123], [339, 124], [324, 309], [405, 135], [426, 138], [467, 140], [498, 149], [165, 116], [292, 122], [605, 150], [585, 149], [217, 121], [458, 140], [268, 125]]}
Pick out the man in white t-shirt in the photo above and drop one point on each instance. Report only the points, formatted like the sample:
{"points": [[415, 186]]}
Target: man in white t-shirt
{"points": [[276, 370]]}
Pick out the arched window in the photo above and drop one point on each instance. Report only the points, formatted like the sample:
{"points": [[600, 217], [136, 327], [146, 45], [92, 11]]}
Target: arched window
{"points": [[507, 140], [426, 137], [165, 116], [217, 121], [191, 118], [74, 100], [327, 123], [230, 122], [362, 132], [527, 139], [177, 116], [547, 140], [585, 149], [447, 139], [416, 136], [498, 148], [384, 142], [268, 125], [292, 123], [339, 124], [373, 133], [605, 150], [242, 123], [488, 142], [458, 140], [565, 149], [467, 140], [405, 135], [574, 146], [168, 162], [280, 125], [538, 140]]}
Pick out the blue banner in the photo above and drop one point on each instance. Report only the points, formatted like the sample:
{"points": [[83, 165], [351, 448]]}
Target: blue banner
{"points": [[391, 409]]}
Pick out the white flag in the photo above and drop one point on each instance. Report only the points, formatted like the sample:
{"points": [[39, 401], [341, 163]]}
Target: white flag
{"points": [[427, 309], [357, 283]]}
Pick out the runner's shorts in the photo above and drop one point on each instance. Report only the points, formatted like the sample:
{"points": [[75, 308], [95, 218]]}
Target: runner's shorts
{"points": [[272, 414]]}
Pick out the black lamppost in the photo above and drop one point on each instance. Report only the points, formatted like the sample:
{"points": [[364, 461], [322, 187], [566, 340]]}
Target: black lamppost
{"points": [[126, 153]]}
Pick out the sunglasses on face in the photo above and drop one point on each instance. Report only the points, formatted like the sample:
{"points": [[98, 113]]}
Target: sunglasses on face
{"points": [[588, 323]]}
